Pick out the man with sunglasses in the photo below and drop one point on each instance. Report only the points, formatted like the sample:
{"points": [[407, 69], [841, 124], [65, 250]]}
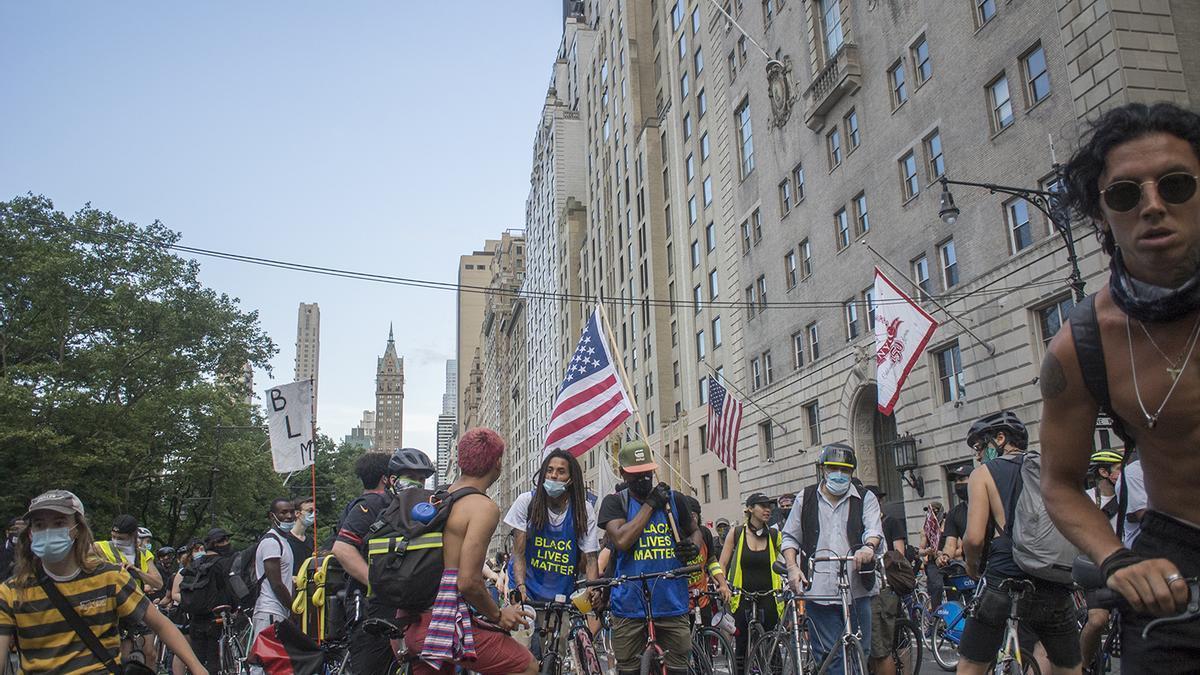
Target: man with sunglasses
{"points": [[1130, 353]]}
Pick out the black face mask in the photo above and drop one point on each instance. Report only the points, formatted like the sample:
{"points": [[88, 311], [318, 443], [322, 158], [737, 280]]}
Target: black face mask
{"points": [[641, 486], [223, 550], [961, 491], [1149, 303]]}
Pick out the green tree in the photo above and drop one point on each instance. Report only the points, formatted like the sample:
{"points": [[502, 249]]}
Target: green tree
{"points": [[117, 369]]}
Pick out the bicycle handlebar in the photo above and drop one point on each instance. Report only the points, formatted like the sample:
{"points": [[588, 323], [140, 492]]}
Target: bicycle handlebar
{"points": [[1088, 575], [615, 581]]}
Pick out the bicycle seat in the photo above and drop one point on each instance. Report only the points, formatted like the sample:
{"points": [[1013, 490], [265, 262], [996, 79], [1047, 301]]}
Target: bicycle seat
{"points": [[382, 628], [222, 609], [1019, 586]]}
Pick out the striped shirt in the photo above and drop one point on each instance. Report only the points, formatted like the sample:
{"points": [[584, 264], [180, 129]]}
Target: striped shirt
{"points": [[46, 641]]}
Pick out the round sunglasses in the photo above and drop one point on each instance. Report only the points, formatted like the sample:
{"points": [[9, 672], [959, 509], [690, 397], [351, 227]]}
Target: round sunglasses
{"points": [[1125, 195]]}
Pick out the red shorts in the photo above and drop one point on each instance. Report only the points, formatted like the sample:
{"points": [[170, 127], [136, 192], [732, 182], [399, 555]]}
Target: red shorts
{"points": [[497, 653]]}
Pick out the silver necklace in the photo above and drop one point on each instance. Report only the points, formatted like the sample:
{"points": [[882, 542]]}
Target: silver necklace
{"points": [[1174, 367], [1152, 420]]}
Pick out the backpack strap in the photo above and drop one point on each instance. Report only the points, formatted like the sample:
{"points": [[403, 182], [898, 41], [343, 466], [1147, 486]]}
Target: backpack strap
{"points": [[854, 523], [810, 522], [77, 624]]}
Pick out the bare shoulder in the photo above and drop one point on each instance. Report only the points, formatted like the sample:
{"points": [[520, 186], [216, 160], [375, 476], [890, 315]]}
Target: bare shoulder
{"points": [[475, 506]]}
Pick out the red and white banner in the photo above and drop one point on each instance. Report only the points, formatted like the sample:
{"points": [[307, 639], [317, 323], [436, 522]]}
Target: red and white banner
{"points": [[902, 330]]}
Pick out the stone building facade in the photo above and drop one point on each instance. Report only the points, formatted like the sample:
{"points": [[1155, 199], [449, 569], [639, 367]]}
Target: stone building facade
{"points": [[389, 399]]}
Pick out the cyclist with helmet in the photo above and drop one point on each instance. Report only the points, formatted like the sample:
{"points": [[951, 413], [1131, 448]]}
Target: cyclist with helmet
{"points": [[382, 476], [1105, 470], [124, 550], [1048, 612], [834, 515]]}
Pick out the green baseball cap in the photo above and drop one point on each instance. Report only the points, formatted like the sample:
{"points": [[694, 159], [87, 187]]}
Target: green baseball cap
{"points": [[635, 457]]}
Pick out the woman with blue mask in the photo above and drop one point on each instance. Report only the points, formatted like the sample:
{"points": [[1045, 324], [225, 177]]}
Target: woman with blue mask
{"points": [[56, 574], [554, 532]]}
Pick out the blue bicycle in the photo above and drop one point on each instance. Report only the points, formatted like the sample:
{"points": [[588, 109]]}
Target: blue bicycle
{"points": [[946, 623]]}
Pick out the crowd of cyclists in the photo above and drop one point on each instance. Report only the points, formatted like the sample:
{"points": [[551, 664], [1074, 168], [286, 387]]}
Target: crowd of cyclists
{"points": [[1053, 559]]}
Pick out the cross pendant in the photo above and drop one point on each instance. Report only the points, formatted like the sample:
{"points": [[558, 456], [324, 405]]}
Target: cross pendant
{"points": [[1174, 373]]}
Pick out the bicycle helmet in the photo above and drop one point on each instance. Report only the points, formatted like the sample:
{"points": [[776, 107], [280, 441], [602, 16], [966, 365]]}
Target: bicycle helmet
{"points": [[1004, 421], [838, 454], [144, 533], [1106, 457], [410, 460], [166, 551]]}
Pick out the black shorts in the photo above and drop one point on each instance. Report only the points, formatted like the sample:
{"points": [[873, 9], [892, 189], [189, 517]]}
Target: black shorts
{"points": [[1171, 648], [1048, 613]]}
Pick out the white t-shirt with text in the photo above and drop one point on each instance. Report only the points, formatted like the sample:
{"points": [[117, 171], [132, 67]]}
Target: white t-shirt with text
{"points": [[518, 519]]}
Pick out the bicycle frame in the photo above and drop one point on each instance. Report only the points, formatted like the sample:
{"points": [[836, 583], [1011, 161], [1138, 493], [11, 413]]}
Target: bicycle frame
{"points": [[843, 642], [1011, 650]]}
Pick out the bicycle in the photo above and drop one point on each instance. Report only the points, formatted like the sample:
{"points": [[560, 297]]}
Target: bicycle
{"points": [[786, 649], [336, 652], [1010, 660], [234, 643], [712, 653], [849, 643], [948, 620], [581, 656], [653, 658], [754, 625]]}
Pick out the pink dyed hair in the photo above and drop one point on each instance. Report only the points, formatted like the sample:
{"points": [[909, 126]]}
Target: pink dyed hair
{"points": [[479, 451]]}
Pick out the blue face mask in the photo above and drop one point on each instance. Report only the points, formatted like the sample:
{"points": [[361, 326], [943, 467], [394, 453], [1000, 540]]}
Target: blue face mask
{"points": [[837, 482], [554, 488], [52, 545], [309, 519]]}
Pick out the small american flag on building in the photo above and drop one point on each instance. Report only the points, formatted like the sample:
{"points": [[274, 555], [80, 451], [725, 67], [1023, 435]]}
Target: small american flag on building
{"points": [[592, 400], [724, 423]]}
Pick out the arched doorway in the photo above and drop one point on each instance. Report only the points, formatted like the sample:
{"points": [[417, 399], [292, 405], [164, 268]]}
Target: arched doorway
{"points": [[873, 434]]}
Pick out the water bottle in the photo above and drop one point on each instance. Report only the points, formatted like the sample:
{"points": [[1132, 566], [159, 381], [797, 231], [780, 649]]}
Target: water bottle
{"points": [[423, 512]]}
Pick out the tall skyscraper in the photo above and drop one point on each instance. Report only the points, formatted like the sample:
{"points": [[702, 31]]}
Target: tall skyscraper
{"points": [[450, 398], [308, 345], [389, 399], [473, 271], [447, 421]]}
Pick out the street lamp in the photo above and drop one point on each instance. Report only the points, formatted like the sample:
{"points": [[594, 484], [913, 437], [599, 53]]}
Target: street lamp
{"points": [[904, 455], [1049, 202]]}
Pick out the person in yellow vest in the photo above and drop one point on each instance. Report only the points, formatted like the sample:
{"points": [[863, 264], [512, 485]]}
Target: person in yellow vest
{"points": [[122, 550], [749, 551]]}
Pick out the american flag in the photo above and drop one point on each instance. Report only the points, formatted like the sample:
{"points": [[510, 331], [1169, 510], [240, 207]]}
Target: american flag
{"points": [[724, 423], [592, 400]]}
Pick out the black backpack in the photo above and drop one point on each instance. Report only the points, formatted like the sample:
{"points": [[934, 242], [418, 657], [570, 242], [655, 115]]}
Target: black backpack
{"points": [[404, 555], [202, 587], [244, 584]]}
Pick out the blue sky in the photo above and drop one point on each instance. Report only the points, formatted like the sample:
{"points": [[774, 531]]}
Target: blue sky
{"points": [[386, 137]]}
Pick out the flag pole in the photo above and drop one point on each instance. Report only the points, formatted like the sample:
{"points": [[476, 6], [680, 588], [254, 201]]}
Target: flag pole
{"points": [[637, 417], [313, 467]]}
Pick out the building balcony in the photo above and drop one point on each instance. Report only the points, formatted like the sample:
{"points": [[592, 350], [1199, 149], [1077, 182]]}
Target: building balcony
{"points": [[840, 76]]}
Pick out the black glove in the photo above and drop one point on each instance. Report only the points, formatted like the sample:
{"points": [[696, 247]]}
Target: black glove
{"points": [[686, 551], [659, 496]]}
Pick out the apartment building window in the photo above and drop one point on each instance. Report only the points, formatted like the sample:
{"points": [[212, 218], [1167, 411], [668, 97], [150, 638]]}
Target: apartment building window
{"points": [[908, 176], [949, 261], [732, 65], [675, 373], [841, 226], [850, 311], [814, 342], [701, 104], [695, 20], [768, 371], [703, 390], [697, 298], [851, 122], [805, 259], [683, 47], [756, 373], [798, 350], [1037, 78], [687, 126], [756, 223], [935, 161], [716, 332], [676, 17], [750, 303], [950, 373], [689, 166], [712, 285], [745, 237], [789, 269], [741, 47], [785, 196], [693, 213], [671, 297], [674, 326], [897, 83], [745, 137], [812, 418], [703, 435], [701, 345], [710, 236], [1001, 104], [862, 222], [762, 292], [768, 9], [766, 442], [1020, 230], [920, 270], [920, 57], [831, 26], [704, 149], [984, 11], [1052, 317], [684, 86], [723, 483], [698, 58], [798, 181], [704, 485], [833, 143], [707, 190]]}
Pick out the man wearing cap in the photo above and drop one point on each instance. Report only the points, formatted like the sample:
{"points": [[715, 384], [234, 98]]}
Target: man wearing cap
{"points": [[783, 509], [834, 515], [124, 550], [651, 530], [203, 630]]}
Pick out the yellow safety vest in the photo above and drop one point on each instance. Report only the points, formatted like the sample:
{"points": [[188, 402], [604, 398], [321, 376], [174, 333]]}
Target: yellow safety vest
{"points": [[142, 559], [735, 576]]}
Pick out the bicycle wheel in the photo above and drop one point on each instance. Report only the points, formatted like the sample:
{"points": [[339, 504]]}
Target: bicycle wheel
{"points": [[712, 653], [771, 655], [550, 664], [1009, 666], [907, 648], [652, 663], [856, 661], [583, 654], [945, 650]]}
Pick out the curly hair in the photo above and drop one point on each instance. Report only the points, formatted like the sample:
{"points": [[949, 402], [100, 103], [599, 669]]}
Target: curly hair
{"points": [[371, 467], [478, 451], [539, 507], [1114, 127]]}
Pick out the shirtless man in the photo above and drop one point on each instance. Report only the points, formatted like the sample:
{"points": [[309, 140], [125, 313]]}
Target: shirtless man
{"points": [[473, 519], [1135, 177]]}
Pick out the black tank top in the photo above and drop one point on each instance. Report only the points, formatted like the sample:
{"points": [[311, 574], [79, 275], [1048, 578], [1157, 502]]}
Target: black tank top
{"points": [[756, 567], [1006, 473]]}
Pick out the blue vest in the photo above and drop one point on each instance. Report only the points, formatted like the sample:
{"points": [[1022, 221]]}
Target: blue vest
{"points": [[551, 559], [654, 551]]}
